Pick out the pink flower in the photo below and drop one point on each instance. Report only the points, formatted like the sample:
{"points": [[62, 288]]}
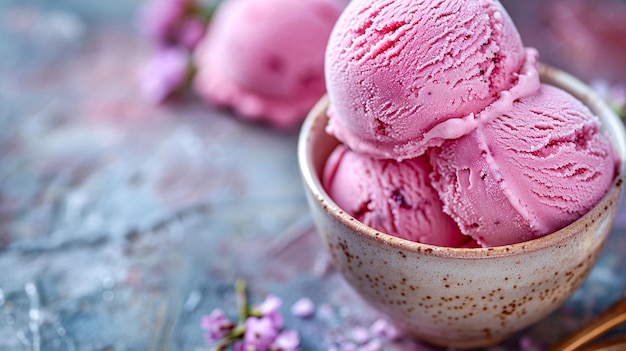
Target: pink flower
{"points": [[372, 345], [164, 74], [173, 23], [216, 326], [287, 340], [191, 32], [160, 19], [360, 335], [259, 327], [259, 334], [382, 327], [303, 308], [271, 304], [270, 309]]}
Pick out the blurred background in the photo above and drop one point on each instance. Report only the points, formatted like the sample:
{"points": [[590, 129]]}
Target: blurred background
{"points": [[122, 222], [580, 36]]}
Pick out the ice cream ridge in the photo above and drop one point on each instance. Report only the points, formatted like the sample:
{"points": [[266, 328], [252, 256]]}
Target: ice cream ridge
{"points": [[448, 136]]}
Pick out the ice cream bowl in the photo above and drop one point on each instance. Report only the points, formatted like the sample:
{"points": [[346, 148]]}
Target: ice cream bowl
{"points": [[461, 297]]}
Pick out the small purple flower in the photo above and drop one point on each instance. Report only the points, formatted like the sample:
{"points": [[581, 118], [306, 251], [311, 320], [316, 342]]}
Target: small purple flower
{"points": [[270, 309], [259, 328], [164, 74], [360, 335], [191, 32], [216, 326], [160, 19], [382, 327], [178, 23], [287, 340], [372, 345], [259, 334], [271, 304], [303, 308]]}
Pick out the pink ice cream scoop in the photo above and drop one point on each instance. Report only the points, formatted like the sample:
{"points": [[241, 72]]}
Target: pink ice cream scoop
{"points": [[406, 75], [265, 58], [533, 170], [393, 197]]}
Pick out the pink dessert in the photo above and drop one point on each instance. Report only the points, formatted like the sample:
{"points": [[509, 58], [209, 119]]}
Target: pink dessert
{"points": [[406, 75], [449, 83], [535, 169], [394, 197], [265, 58]]}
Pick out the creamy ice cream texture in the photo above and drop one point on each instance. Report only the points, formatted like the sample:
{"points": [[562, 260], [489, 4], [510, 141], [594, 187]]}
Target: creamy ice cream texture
{"points": [[265, 58], [450, 82], [537, 168], [393, 197], [405, 75]]}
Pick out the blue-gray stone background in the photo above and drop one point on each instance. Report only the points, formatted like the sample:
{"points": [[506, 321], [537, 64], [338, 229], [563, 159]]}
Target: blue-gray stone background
{"points": [[122, 223]]}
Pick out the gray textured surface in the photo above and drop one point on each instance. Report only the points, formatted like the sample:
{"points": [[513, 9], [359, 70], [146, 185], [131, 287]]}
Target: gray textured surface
{"points": [[122, 223]]}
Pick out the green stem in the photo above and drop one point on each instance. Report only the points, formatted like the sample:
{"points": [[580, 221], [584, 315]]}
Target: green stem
{"points": [[231, 337], [191, 71], [222, 345], [205, 13], [241, 290]]}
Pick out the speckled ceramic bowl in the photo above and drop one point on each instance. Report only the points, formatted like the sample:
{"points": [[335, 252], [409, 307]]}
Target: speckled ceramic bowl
{"points": [[461, 297]]}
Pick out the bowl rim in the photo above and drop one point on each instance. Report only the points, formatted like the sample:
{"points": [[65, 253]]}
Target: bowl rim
{"points": [[611, 125]]}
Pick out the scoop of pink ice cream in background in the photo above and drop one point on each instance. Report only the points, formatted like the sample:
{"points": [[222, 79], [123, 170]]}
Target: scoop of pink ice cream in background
{"points": [[390, 196], [535, 169], [405, 75], [265, 58]]}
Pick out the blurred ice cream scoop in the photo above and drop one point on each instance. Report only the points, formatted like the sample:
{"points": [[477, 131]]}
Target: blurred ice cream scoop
{"points": [[265, 58]]}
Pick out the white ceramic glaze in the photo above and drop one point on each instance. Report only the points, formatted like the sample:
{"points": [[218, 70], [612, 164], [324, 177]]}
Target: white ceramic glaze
{"points": [[455, 297]]}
